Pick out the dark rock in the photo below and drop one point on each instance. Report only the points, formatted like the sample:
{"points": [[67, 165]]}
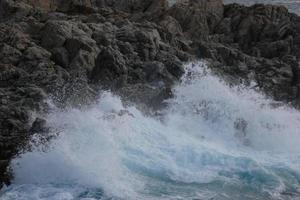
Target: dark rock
{"points": [[146, 97], [110, 66], [9, 73], [157, 74], [198, 17], [128, 6], [73, 45], [38, 126], [9, 54], [12, 9], [83, 59], [55, 33], [172, 63], [60, 56], [36, 53], [75, 6], [66, 50]]}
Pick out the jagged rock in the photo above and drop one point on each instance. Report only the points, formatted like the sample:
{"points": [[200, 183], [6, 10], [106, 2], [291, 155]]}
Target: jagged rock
{"points": [[38, 126], [74, 44], [55, 33], [172, 26], [12, 9], [157, 8], [83, 59], [198, 17], [36, 53], [46, 5], [145, 40], [110, 65], [104, 34], [69, 6], [9, 73], [260, 27], [145, 96], [9, 55], [60, 56], [172, 63], [125, 5], [76, 6], [157, 74]]}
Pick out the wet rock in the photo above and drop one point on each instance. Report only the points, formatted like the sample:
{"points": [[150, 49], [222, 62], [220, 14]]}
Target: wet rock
{"points": [[157, 74], [241, 126], [198, 17], [146, 97], [83, 59], [76, 6], [55, 33], [60, 56], [36, 53], [172, 63], [66, 50], [258, 26], [9, 73], [74, 44], [14, 9], [172, 26], [110, 65], [38, 126], [124, 5], [9, 54]]}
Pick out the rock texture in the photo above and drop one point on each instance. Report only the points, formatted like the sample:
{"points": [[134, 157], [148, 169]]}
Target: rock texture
{"points": [[67, 50], [260, 42]]}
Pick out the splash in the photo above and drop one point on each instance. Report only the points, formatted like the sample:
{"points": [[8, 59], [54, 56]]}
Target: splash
{"points": [[211, 142]]}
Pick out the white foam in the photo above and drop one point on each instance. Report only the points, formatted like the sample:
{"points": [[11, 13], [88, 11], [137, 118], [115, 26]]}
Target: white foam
{"points": [[132, 156]]}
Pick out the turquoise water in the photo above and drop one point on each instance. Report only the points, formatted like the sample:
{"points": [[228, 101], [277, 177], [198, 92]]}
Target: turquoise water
{"points": [[212, 142]]}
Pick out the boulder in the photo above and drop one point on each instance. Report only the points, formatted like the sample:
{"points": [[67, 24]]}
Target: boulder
{"points": [[9, 54], [110, 66], [60, 56], [197, 17], [55, 34]]}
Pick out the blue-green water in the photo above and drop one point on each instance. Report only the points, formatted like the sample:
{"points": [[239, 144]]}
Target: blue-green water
{"points": [[212, 142]]}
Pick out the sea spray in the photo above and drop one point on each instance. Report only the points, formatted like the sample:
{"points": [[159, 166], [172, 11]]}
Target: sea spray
{"points": [[212, 141]]}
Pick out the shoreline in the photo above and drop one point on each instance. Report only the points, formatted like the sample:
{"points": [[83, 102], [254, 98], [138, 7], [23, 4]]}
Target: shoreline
{"points": [[69, 50]]}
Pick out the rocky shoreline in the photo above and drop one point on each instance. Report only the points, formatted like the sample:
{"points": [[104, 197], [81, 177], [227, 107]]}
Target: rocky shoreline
{"points": [[67, 51]]}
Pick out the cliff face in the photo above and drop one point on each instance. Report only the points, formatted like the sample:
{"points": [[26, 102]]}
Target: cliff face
{"points": [[197, 17], [263, 39], [68, 50]]}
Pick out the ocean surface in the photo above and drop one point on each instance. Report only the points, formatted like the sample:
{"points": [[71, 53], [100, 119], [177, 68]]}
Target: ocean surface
{"points": [[212, 142]]}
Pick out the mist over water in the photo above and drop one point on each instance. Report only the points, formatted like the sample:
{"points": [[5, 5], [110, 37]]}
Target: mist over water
{"points": [[211, 142]]}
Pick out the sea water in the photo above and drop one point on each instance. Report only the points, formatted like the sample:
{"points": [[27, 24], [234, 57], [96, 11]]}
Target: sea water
{"points": [[212, 141]]}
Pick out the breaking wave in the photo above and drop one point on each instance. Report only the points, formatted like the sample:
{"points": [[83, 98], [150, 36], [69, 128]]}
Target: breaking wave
{"points": [[211, 142]]}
